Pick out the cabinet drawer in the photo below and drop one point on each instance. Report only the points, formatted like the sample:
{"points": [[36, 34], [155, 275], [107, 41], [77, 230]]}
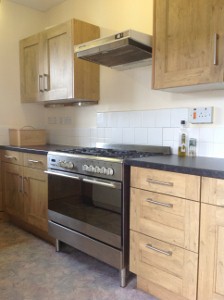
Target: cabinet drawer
{"points": [[13, 157], [35, 161], [171, 183], [167, 218], [212, 191], [171, 267]]}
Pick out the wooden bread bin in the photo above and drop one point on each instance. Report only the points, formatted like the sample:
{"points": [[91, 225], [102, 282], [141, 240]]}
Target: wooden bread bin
{"points": [[27, 136]]}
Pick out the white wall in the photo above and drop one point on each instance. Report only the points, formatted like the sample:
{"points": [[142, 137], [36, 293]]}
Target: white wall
{"points": [[16, 22], [120, 91], [130, 90]]}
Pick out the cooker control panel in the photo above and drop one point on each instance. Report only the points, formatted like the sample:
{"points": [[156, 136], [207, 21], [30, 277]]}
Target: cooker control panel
{"points": [[98, 170], [97, 167], [66, 164]]}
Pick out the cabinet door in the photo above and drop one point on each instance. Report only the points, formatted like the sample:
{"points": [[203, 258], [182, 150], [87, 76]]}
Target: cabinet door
{"points": [[186, 49], [167, 218], [58, 62], [31, 79], [13, 190], [211, 256], [35, 197], [171, 268]]}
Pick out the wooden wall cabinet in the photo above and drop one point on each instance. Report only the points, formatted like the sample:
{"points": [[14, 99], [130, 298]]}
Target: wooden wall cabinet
{"points": [[25, 187], [49, 70], [211, 259], [188, 45], [164, 232]]}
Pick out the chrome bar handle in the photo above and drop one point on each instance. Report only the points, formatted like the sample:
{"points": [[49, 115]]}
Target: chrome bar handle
{"points": [[35, 161], [215, 49], [46, 82], [10, 157], [62, 175], [149, 180], [41, 84], [169, 205], [167, 253], [112, 185], [24, 190]]}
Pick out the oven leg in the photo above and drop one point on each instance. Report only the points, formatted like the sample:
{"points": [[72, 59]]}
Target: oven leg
{"points": [[123, 277], [57, 245]]}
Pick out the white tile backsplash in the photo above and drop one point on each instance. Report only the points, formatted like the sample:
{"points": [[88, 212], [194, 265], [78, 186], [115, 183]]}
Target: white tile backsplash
{"points": [[148, 118], [116, 135], [155, 136], [178, 114], [219, 135], [141, 136], [206, 135], [135, 119], [168, 134], [162, 118], [128, 136], [147, 127]]}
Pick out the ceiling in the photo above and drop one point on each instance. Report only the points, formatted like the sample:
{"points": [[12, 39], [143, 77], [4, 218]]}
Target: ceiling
{"points": [[41, 5]]}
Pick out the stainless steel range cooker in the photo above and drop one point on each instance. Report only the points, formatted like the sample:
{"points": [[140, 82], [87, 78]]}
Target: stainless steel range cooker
{"points": [[88, 206]]}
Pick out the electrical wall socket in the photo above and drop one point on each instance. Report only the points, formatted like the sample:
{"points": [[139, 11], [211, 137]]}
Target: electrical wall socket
{"points": [[199, 115]]}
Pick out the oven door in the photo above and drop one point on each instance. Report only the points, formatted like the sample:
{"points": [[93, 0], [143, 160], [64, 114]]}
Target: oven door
{"points": [[87, 205]]}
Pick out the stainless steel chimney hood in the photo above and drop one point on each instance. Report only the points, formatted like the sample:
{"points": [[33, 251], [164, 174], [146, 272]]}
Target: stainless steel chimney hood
{"points": [[124, 50]]}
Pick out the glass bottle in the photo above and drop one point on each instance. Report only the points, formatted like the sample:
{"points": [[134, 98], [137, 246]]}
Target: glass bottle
{"points": [[182, 149], [192, 147]]}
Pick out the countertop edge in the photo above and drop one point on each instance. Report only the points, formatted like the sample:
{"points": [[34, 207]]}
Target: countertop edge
{"points": [[205, 167]]}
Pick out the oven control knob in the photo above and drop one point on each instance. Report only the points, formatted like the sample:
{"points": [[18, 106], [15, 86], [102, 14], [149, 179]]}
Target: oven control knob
{"points": [[103, 170], [110, 171], [62, 164], [91, 168], [85, 168], [97, 169], [69, 165]]}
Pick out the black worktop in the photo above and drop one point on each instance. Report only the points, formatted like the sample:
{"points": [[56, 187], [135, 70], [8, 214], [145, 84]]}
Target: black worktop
{"points": [[35, 149], [202, 166]]}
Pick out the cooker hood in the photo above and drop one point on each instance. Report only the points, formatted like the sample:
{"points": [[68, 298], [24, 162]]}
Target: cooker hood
{"points": [[124, 50]]}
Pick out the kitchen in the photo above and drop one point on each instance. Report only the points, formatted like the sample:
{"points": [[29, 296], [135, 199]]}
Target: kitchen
{"points": [[146, 116]]}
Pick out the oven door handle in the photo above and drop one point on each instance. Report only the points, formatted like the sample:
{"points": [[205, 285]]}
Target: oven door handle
{"points": [[62, 175], [107, 184]]}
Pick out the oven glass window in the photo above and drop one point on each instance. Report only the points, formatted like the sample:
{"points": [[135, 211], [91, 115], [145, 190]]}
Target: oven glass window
{"points": [[88, 208]]}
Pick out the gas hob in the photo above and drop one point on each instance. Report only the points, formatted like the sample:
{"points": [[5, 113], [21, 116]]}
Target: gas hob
{"points": [[105, 161]]}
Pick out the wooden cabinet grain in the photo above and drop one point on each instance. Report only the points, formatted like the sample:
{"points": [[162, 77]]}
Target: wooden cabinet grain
{"points": [[30, 68], [211, 259], [188, 44], [164, 231], [13, 184], [25, 187], [49, 71]]}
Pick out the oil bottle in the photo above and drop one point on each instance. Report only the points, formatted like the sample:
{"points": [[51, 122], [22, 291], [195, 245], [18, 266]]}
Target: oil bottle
{"points": [[182, 149]]}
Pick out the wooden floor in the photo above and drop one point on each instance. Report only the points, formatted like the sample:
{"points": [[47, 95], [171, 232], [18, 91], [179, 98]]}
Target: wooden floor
{"points": [[30, 269]]}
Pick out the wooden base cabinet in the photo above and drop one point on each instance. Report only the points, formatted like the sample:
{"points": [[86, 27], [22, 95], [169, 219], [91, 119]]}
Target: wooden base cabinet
{"points": [[13, 190], [164, 232], [211, 259], [35, 198], [25, 188], [171, 268], [49, 70]]}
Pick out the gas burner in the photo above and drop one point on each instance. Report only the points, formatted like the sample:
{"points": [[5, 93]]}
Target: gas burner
{"points": [[109, 152]]}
